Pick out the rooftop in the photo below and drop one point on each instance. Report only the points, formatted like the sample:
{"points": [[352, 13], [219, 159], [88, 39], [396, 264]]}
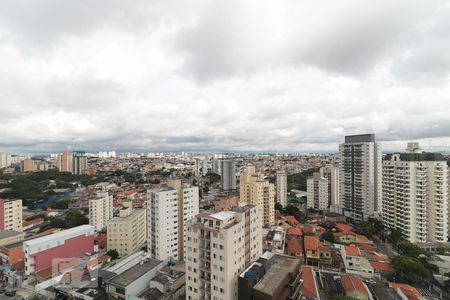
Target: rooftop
{"points": [[223, 215], [353, 283], [282, 266], [309, 287], [83, 229], [135, 272], [133, 214], [9, 233]]}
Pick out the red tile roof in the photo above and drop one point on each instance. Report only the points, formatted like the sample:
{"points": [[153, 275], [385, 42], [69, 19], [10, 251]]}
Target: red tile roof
{"points": [[367, 248], [311, 242], [309, 287], [343, 227], [353, 283], [294, 247], [292, 220], [294, 231], [411, 292], [382, 266], [33, 222], [352, 250]]}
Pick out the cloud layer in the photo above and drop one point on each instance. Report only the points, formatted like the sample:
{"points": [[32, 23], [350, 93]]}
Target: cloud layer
{"points": [[222, 75]]}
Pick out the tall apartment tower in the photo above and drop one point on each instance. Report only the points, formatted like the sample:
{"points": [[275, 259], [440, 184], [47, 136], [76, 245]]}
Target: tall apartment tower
{"points": [[11, 214], [5, 160], [220, 246], [100, 210], [168, 210], [317, 196], [360, 177], [228, 175], [415, 195], [79, 162], [282, 187], [323, 189], [255, 191], [65, 161]]}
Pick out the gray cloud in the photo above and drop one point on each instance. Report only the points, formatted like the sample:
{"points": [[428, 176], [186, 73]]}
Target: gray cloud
{"points": [[250, 75]]}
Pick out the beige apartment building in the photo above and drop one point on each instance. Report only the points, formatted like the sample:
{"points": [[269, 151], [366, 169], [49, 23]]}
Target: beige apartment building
{"points": [[254, 190], [100, 210], [282, 187], [11, 214], [128, 231], [220, 246]]}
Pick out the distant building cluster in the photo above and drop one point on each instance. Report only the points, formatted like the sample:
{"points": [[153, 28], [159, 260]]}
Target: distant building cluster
{"points": [[195, 226]]}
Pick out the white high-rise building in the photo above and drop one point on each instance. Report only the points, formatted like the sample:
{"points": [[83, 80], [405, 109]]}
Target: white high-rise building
{"points": [[220, 246], [11, 214], [282, 187], [5, 160], [317, 191], [228, 175], [331, 172], [415, 195], [100, 210], [168, 209], [360, 177], [197, 167]]}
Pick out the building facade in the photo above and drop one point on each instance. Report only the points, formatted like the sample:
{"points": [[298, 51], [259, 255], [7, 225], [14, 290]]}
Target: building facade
{"points": [[317, 191], [282, 187], [41, 252], [228, 175], [254, 190], [128, 231], [220, 246], [360, 177], [5, 160], [100, 210], [415, 195], [168, 209], [11, 214]]}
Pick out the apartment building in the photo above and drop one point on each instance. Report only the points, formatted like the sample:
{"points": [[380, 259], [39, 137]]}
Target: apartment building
{"points": [[281, 187], [254, 190], [168, 209], [100, 210], [317, 191], [128, 231], [11, 214], [220, 246], [228, 175], [415, 194], [360, 177], [73, 162], [323, 189]]}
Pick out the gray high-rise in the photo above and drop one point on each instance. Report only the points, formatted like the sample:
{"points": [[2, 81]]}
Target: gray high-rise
{"points": [[360, 177], [228, 175]]}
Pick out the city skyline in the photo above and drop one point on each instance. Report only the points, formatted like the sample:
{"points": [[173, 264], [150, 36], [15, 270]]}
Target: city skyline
{"points": [[168, 76]]}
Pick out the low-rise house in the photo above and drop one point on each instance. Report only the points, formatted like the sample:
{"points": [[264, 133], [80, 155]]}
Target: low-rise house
{"points": [[316, 252], [355, 288], [355, 263], [274, 240], [295, 248], [10, 237], [309, 286]]}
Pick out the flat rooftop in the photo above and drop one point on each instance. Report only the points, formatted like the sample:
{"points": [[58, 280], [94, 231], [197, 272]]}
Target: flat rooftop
{"points": [[9, 233], [133, 273], [67, 233], [133, 214], [282, 266]]}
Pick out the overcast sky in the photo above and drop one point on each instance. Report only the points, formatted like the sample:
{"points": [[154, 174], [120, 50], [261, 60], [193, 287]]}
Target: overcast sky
{"points": [[223, 75]]}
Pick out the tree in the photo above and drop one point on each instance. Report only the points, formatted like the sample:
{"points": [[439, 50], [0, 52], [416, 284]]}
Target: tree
{"points": [[340, 297], [395, 236], [279, 207], [366, 228], [206, 190], [410, 269], [212, 177], [328, 236], [113, 254], [410, 249]]}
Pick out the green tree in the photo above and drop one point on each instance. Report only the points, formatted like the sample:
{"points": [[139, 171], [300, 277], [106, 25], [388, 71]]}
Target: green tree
{"points": [[213, 177], [113, 254], [340, 297], [410, 249], [395, 236], [410, 269], [328, 236], [279, 207]]}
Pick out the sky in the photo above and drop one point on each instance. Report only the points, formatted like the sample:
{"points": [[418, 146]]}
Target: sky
{"points": [[254, 75]]}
